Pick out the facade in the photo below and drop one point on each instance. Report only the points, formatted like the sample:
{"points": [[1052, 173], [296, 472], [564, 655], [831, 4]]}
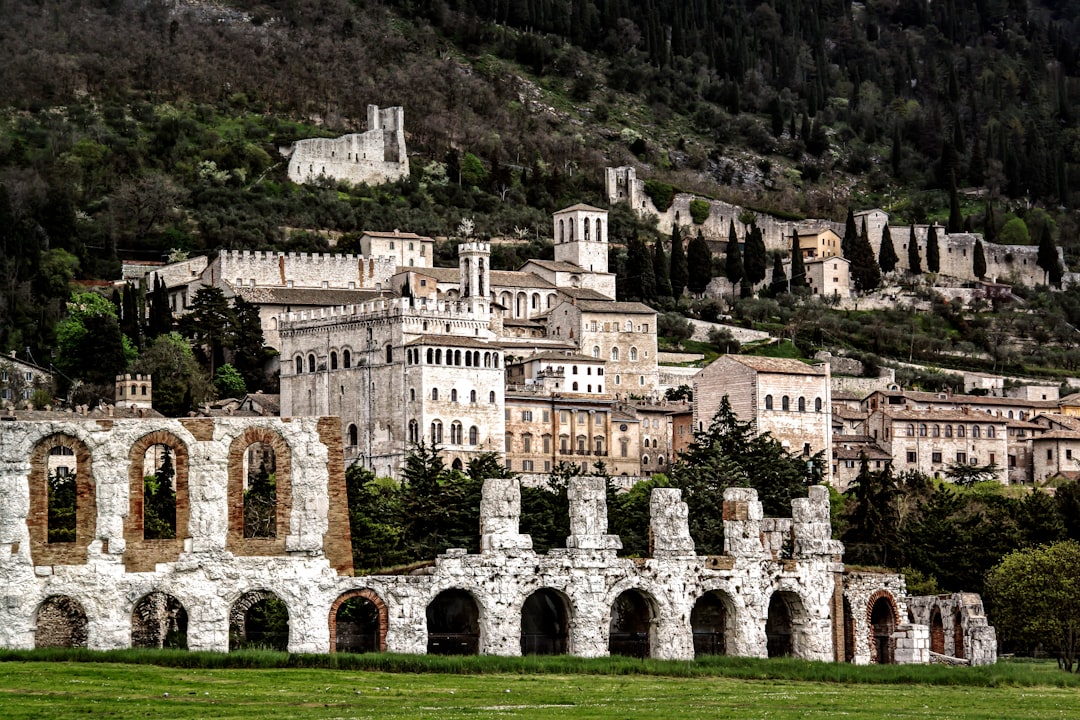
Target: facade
{"points": [[19, 379], [779, 588], [786, 398], [828, 276], [818, 243], [930, 440], [375, 156], [407, 249]]}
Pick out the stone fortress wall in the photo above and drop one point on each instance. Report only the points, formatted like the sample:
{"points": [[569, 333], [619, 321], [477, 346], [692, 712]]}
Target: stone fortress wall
{"points": [[779, 587], [249, 268], [1013, 264], [375, 156]]}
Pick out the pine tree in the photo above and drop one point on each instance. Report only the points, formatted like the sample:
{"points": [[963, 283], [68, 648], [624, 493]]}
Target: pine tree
{"points": [[756, 257], [933, 253], [956, 217], [678, 268], [913, 260], [887, 257], [979, 262], [851, 235], [778, 284], [864, 267], [699, 264], [733, 263], [1047, 258], [640, 279], [798, 269], [661, 270]]}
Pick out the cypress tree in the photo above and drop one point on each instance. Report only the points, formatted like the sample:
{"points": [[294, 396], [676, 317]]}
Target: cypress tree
{"points": [[913, 260], [756, 257], [699, 265], [733, 263], [661, 270], [778, 284], [933, 253], [979, 262], [989, 224], [798, 269], [1047, 258], [851, 235], [887, 257], [956, 217], [864, 267], [678, 268]]}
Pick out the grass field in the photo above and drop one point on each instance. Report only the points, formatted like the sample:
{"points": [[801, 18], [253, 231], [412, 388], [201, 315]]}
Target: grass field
{"points": [[519, 688]]}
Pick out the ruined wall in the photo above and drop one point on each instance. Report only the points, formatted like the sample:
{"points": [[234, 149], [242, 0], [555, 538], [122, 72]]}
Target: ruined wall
{"points": [[958, 627], [371, 157]]}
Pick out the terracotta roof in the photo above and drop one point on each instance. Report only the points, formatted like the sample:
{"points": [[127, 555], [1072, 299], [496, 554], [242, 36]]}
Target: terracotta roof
{"points": [[944, 416], [317, 297], [1058, 435], [786, 366], [827, 258], [555, 265], [556, 355], [518, 278], [873, 452], [580, 294], [929, 397], [580, 206], [612, 306], [395, 234], [453, 340], [439, 273]]}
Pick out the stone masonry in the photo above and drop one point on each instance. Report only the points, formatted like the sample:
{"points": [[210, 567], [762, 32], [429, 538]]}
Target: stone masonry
{"points": [[371, 157], [779, 585]]}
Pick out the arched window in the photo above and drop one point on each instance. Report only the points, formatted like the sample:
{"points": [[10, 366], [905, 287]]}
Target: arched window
{"points": [[629, 326], [911, 430], [817, 404], [311, 363], [633, 354], [495, 357], [975, 431], [785, 403], [434, 393], [299, 364], [457, 357], [491, 396], [430, 356], [614, 354], [990, 431], [802, 404], [455, 433], [333, 359], [948, 431], [573, 369], [436, 431], [598, 235], [353, 436], [960, 431], [644, 459], [922, 429], [438, 356], [536, 301], [472, 396], [347, 359], [453, 395], [414, 431], [474, 435], [562, 231], [412, 394], [596, 351], [468, 359], [768, 402], [575, 387]]}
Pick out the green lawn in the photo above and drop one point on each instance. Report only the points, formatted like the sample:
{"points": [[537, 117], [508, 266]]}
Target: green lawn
{"points": [[114, 690]]}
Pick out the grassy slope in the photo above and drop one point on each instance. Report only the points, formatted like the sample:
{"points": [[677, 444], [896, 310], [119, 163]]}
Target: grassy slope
{"points": [[61, 690]]}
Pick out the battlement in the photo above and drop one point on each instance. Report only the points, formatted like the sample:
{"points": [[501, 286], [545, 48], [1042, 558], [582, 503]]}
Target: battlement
{"points": [[375, 156], [379, 309]]}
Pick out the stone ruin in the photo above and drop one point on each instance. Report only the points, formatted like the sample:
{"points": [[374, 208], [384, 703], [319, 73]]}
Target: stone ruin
{"points": [[105, 579]]}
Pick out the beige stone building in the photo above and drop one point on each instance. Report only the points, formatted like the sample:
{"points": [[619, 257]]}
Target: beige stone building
{"points": [[786, 398], [375, 156], [817, 243], [829, 276], [406, 248], [1055, 453]]}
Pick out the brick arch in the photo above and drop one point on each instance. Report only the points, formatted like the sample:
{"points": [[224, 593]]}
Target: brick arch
{"points": [[372, 597], [141, 555], [239, 608], [870, 603], [42, 552], [648, 645], [60, 621], [235, 540]]}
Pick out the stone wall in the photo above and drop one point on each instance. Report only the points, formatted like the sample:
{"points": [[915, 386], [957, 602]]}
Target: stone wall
{"points": [[958, 627], [250, 268], [371, 157]]}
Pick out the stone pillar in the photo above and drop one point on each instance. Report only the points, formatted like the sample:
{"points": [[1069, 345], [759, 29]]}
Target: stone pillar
{"points": [[588, 516], [812, 526], [912, 644], [982, 644], [500, 513], [742, 523], [669, 526]]}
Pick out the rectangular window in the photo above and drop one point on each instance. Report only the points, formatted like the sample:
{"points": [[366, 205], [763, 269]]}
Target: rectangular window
{"points": [[547, 416], [961, 457], [526, 416], [547, 443], [527, 465], [992, 458], [1012, 461], [1068, 454], [1049, 454], [564, 416], [935, 457], [526, 443], [582, 418], [911, 457], [547, 466]]}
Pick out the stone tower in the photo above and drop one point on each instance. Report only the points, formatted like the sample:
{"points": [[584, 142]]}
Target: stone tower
{"points": [[581, 237], [134, 391], [474, 262]]}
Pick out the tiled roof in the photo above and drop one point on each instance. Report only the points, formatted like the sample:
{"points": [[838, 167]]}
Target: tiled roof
{"points": [[555, 265], [612, 306], [317, 297], [580, 206], [518, 278], [452, 340], [395, 234], [775, 365]]}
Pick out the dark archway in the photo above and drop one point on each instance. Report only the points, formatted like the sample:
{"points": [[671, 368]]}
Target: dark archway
{"points": [[630, 629], [937, 632], [453, 624], [882, 627], [159, 621], [545, 627], [259, 619], [849, 632], [359, 623], [778, 628], [710, 621], [61, 622], [958, 636]]}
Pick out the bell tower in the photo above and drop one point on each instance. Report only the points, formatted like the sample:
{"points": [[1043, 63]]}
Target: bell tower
{"points": [[581, 237]]}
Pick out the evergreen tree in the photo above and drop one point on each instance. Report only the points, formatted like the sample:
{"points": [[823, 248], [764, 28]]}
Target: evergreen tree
{"points": [[640, 279], [756, 257], [989, 224], [1047, 258], [913, 259], [678, 268], [160, 319], [208, 324], [874, 518], [245, 339], [979, 262], [733, 264], [933, 252], [887, 257], [661, 269], [778, 284], [864, 267], [956, 217], [798, 269], [699, 264], [851, 235]]}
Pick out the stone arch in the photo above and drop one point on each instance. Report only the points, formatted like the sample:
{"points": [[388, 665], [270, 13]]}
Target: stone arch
{"points": [[545, 623], [785, 626], [882, 617], [60, 621], [259, 619], [74, 552], [235, 541], [140, 554], [958, 635], [159, 620], [453, 623], [713, 623], [361, 629], [632, 624], [937, 632]]}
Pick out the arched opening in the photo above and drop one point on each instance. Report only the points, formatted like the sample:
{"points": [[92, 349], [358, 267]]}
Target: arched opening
{"points": [[544, 624], [159, 621], [457, 465], [958, 636], [937, 632], [630, 629], [61, 622], [453, 624], [849, 632], [354, 435], [779, 633], [260, 491], [882, 626], [710, 620], [63, 505], [159, 493], [259, 619], [358, 622]]}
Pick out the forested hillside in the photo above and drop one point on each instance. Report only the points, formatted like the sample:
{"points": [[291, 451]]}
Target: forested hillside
{"points": [[132, 128]]}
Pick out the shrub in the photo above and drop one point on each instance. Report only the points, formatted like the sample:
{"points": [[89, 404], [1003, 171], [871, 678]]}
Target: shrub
{"points": [[723, 340], [661, 193], [675, 326], [699, 210]]}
